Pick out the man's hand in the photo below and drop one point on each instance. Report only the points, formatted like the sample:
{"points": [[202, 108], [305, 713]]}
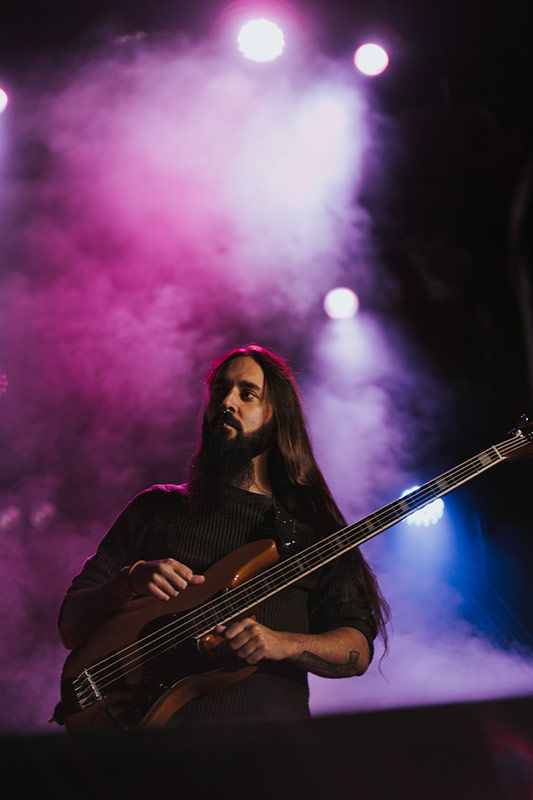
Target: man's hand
{"points": [[162, 579], [338, 653], [85, 607], [252, 641]]}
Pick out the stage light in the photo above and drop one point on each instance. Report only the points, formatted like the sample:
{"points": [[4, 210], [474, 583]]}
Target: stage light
{"points": [[428, 515], [371, 59], [9, 517], [261, 40], [41, 515], [341, 303], [4, 100]]}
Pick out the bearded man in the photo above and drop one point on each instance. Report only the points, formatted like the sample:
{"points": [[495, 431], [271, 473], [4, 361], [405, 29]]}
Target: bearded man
{"points": [[254, 476]]}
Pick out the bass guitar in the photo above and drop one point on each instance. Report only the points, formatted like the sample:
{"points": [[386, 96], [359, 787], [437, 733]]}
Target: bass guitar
{"points": [[150, 658]]}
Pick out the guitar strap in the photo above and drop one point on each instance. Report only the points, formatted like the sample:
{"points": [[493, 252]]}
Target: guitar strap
{"points": [[285, 528]]}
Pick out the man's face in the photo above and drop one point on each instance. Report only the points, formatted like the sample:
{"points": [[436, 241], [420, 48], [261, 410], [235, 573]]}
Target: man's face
{"points": [[239, 390], [238, 426]]}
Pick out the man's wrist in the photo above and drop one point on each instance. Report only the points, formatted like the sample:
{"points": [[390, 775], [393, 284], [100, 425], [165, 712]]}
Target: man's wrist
{"points": [[294, 645], [122, 588]]}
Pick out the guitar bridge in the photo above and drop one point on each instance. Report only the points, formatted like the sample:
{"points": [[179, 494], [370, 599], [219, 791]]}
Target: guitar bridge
{"points": [[86, 690]]}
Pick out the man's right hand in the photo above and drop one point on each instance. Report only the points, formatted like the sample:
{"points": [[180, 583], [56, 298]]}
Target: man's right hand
{"points": [[162, 579]]}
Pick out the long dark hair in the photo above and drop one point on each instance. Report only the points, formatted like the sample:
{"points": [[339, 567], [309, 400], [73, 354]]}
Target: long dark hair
{"points": [[293, 471]]}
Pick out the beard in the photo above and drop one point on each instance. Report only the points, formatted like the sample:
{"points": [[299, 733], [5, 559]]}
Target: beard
{"points": [[224, 461]]}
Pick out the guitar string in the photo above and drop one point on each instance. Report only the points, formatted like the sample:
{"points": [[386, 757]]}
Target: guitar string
{"points": [[285, 567], [264, 575], [174, 640], [507, 446], [262, 582]]}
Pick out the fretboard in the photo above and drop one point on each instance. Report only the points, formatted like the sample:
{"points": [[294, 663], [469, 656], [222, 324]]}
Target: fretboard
{"points": [[284, 573]]}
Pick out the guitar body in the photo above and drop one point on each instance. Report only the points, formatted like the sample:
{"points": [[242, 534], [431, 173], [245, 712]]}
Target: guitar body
{"points": [[112, 682]]}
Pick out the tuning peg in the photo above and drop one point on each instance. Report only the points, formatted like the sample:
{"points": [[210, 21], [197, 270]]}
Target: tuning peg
{"points": [[522, 422]]}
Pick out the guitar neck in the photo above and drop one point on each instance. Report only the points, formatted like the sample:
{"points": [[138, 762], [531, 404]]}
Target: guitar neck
{"points": [[254, 591]]}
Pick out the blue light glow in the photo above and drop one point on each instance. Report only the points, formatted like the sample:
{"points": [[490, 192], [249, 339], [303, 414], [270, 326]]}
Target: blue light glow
{"points": [[428, 515]]}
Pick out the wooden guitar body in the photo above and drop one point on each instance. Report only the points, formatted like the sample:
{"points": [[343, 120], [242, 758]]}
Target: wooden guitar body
{"points": [[111, 681]]}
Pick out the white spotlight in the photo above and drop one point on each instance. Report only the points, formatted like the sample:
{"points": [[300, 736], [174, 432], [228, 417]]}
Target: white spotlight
{"points": [[428, 515], [341, 303], [4, 100], [371, 59], [261, 40]]}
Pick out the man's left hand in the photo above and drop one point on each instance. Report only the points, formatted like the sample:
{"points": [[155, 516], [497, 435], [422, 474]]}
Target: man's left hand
{"points": [[252, 641]]}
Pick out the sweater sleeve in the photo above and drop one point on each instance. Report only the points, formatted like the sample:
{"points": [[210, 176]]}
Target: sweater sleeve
{"points": [[340, 601], [121, 544]]}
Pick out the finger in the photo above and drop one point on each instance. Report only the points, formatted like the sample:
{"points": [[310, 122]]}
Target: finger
{"points": [[170, 577], [185, 574], [220, 628], [180, 569], [248, 648], [154, 590], [255, 657], [165, 585], [181, 583], [251, 653], [238, 627], [177, 566], [177, 580], [242, 639], [172, 568]]}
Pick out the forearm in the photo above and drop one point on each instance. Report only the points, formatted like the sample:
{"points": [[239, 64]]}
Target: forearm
{"points": [[334, 654], [84, 608]]}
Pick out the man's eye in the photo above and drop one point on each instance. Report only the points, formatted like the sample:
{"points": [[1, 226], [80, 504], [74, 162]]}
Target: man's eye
{"points": [[249, 395]]}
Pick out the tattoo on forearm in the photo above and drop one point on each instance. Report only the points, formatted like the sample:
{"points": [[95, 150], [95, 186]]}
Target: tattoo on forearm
{"points": [[328, 669]]}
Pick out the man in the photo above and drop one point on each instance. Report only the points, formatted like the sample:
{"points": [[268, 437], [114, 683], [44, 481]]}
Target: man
{"points": [[254, 476]]}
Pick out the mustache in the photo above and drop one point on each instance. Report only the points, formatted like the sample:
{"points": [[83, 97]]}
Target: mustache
{"points": [[226, 418]]}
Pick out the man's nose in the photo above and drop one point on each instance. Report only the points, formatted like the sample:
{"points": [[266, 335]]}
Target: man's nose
{"points": [[228, 403]]}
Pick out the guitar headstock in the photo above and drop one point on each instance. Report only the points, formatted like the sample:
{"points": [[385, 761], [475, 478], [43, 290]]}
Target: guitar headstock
{"points": [[522, 441]]}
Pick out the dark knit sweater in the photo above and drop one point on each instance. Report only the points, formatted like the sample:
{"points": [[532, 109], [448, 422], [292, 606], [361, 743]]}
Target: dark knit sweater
{"points": [[160, 523]]}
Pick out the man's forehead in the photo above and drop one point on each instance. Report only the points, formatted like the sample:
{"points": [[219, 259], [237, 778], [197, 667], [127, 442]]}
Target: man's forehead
{"points": [[243, 369]]}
